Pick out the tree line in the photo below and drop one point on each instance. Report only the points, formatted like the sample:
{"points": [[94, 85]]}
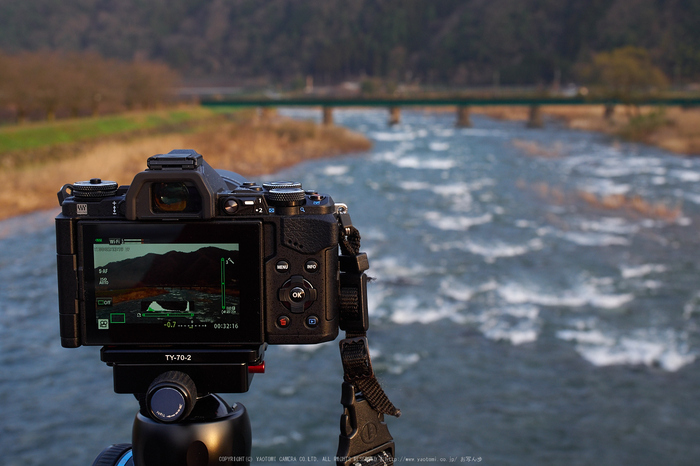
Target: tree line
{"points": [[438, 42], [50, 84]]}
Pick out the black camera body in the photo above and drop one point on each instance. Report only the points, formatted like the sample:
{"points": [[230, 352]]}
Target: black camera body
{"points": [[195, 269]]}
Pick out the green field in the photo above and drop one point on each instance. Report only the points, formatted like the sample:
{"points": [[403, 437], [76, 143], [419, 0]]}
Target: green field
{"points": [[30, 136]]}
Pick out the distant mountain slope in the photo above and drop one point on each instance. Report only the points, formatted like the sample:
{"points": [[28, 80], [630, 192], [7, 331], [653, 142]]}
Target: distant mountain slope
{"points": [[201, 268], [437, 41]]}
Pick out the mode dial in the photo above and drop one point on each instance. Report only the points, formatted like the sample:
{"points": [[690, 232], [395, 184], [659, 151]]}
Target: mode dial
{"points": [[286, 196], [95, 188], [281, 184]]}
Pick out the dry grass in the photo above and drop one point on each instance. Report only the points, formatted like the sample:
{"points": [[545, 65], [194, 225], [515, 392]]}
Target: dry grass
{"points": [[682, 134], [633, 206], [253, 148], [34, 187], [679, 133], [249, 148], [536, 149], [508, 113]]}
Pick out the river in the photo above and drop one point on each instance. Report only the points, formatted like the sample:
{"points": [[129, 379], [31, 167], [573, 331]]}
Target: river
{"points": [[536, 301]]}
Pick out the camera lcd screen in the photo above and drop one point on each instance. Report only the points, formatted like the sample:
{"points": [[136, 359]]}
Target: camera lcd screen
{"points": [[180, 283]]}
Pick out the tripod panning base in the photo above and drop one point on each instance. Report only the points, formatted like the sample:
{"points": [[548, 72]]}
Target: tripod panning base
{"points": [[213, 433]]}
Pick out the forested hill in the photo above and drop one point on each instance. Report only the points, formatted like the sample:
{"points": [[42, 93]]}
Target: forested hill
{"points": [[431, 41]]}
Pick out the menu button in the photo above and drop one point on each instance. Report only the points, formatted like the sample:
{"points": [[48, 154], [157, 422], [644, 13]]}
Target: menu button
{"points": [[282, 266]]}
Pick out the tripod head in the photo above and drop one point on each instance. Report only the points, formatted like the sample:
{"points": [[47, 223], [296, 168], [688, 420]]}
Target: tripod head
{"points": [[176, 427], [213, 430]]}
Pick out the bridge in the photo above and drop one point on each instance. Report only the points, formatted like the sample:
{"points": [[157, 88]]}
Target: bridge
{"points": [[462, 104]]}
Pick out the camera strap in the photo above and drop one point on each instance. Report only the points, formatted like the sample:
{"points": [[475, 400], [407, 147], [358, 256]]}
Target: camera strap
{"points": [[364, 436]]}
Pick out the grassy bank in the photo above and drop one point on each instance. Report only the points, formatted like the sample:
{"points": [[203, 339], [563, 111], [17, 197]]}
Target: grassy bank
{"points": [[37, 142], [238, 142], [674, 129]]}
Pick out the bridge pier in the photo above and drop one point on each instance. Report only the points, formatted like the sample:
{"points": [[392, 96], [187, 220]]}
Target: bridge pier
{"points": [[394, 115], [609, 111], [327, 115], [463, 119], [535, 117]]}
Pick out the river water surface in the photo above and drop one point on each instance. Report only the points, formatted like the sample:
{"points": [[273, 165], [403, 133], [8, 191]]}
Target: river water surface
{"points": [[536, 301]]}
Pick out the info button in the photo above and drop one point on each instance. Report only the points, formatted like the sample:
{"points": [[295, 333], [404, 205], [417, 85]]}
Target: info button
{"points": [[311, 266]]}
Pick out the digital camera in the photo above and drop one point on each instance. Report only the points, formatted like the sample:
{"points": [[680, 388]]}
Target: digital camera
{"points": [[190, 268]]}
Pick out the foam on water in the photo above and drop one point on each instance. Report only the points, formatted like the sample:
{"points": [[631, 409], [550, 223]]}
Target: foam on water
{"points": [[456, 223], [455, 289], [386, 136], [443, 132], [615, 225], [479, 132], [392, 267], [410, 310], [415, 185], [692, 197], [453, 190], [491, 251], [514, 324], [583, 295], [401, 362], [439, 146], [648, 347], [615, 167], [336, 170], [642, 270], [593, 239], [459, 194], [425, 164]]}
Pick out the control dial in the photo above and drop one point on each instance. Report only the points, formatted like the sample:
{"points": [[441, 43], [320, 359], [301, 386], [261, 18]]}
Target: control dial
{"points": [[95, 188], [281, 184], [287, 197]]}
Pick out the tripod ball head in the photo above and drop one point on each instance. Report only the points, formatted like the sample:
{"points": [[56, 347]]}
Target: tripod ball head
{"points": [[171, 397]]}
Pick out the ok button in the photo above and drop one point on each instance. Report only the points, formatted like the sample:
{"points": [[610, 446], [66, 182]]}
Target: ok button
{"points": [[297, 294]]}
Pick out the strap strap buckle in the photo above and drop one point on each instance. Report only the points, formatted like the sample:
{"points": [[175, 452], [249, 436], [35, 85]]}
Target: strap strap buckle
{"points": [[364, 436]]}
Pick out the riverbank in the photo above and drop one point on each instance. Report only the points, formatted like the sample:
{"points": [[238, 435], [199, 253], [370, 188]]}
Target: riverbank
{"points": [[238, 141], [674, 129]]}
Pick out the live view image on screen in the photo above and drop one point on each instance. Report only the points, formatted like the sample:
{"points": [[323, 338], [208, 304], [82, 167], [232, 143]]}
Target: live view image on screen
{"points": [[179, 285], [171, 283]]}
